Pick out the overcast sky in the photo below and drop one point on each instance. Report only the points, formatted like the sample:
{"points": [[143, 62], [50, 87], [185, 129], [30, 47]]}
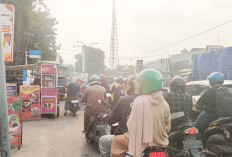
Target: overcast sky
{"points": [[143, 25]]}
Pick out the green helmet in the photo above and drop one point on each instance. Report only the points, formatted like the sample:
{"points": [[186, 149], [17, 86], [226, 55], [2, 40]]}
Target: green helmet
{"points": [[150, 80]]}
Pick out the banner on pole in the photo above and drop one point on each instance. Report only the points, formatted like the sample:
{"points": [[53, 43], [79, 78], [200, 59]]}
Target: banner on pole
{"points": [[7, 30]]}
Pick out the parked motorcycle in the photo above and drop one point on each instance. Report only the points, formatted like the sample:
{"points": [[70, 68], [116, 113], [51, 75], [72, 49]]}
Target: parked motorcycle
{"points": [[182, 138], [74, 105], [97, 126], [218, 137], [152, 151]]}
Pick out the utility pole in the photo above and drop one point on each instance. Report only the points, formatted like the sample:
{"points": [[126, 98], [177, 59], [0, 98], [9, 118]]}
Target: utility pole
{"points": [[4, 130]]}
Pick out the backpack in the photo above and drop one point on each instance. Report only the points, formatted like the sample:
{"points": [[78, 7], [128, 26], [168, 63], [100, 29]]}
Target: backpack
{"points": [[223, 101]]}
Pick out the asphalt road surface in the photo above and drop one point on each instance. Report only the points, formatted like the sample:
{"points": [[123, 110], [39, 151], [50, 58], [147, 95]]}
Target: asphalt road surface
{"points": [[55, 137]]}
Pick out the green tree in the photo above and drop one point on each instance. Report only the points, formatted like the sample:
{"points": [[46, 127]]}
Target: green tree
{"points": [[34, 29], [94, 59]]}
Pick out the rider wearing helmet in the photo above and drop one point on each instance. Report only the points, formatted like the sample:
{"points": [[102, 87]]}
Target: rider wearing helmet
{"points": [[119, 114], [207, 102], [117, 90], [72, 90], [91, 97], [150, 119], [177, 99]]}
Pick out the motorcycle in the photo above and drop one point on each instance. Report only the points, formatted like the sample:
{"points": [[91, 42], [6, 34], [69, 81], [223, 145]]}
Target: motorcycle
{"points": [[152, 151], [97, 127], [217, 137], [182, 138], [74, 105]]}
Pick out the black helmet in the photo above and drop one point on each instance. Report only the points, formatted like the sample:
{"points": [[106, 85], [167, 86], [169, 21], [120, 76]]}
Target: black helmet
{"points": [[177, 84], [120, 80], [95, 79]]}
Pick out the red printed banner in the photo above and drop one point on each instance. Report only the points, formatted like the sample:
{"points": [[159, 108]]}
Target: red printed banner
{"points": [[15, 119], [30, 102], [48, 69], [48, 104], [49, 91]]}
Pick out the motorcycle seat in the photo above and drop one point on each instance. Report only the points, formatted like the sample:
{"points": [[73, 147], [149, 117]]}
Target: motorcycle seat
{"points": [[220, 121]]}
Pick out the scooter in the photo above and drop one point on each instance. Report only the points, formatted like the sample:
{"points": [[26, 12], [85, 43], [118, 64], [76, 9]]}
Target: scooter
{"points": [[74, 105], [182, 138], [218, 137]]}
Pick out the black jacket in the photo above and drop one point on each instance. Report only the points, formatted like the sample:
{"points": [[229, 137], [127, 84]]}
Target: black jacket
{"points": [[120, 113]]}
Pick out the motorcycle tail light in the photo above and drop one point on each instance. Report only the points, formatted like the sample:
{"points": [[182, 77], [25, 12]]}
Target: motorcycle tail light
{"points": [[191, 131], [157, 154]]}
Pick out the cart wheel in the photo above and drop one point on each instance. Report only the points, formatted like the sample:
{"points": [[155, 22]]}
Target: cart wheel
{"points": [[58, 111]]}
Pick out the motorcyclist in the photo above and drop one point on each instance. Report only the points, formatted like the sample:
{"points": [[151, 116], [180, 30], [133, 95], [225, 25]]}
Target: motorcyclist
{"points": [[207, 103], [149, 121], [72, 90], [117, 90], [91, 97], [178, 100], [104, 83], [84, 86], [120, 113]]}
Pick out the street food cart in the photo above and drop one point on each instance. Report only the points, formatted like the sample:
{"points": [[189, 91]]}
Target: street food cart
{"points": [[49, 92], [45, 88]]}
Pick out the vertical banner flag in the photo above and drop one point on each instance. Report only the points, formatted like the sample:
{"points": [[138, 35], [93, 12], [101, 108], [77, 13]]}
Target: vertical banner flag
{"points": [[30, 102], [7, 30], [15, 119]]}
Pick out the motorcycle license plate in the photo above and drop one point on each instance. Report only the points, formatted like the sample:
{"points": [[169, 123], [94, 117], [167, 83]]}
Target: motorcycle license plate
{"points": [[74, 101], [193, 144], [157, 154]]}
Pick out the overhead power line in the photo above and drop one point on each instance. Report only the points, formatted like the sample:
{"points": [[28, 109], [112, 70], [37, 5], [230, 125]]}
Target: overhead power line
{"points": [[178, 42]]}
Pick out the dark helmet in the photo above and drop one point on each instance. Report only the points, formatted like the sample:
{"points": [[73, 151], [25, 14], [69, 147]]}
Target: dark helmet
{"points": [[216, 78], [120, 80], [177, 84], [95, 79]]}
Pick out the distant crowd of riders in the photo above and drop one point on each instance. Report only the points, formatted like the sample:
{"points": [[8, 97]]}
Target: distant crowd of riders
{"points": [[144, 113]]}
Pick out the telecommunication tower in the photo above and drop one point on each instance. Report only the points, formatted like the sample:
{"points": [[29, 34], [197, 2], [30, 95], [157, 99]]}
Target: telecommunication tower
{"points": [[114, 59]]}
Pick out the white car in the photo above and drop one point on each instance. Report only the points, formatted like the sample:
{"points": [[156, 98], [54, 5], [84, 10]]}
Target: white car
{"points": [[196, 88]]}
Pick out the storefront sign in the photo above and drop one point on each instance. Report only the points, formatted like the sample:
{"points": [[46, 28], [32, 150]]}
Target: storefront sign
{"points": [[11, 89], [35, 54], [48, 69], [30, 102], [7, 30], [48, 104], [211, 48], [15, 120]]}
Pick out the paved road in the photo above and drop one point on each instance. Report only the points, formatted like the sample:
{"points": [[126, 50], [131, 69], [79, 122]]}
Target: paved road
{"points": [[55, 137]]}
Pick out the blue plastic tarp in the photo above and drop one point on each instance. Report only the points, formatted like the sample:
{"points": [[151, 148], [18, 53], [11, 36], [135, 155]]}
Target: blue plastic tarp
{"points": [[207, 63]]}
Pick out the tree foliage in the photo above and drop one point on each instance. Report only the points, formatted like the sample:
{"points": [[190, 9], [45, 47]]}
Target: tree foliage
{"points": [[94, 59], [34, 29]]}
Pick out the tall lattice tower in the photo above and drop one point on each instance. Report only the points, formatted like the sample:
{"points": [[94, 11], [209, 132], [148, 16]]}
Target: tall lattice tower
{"points": [[114, 59]]}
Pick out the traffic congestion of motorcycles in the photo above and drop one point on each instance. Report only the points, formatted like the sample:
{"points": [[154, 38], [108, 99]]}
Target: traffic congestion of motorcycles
{"points": [[137, 117]]}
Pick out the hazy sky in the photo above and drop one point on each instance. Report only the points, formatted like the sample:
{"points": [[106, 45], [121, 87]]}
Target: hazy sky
{"points": [[143, 25]]}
